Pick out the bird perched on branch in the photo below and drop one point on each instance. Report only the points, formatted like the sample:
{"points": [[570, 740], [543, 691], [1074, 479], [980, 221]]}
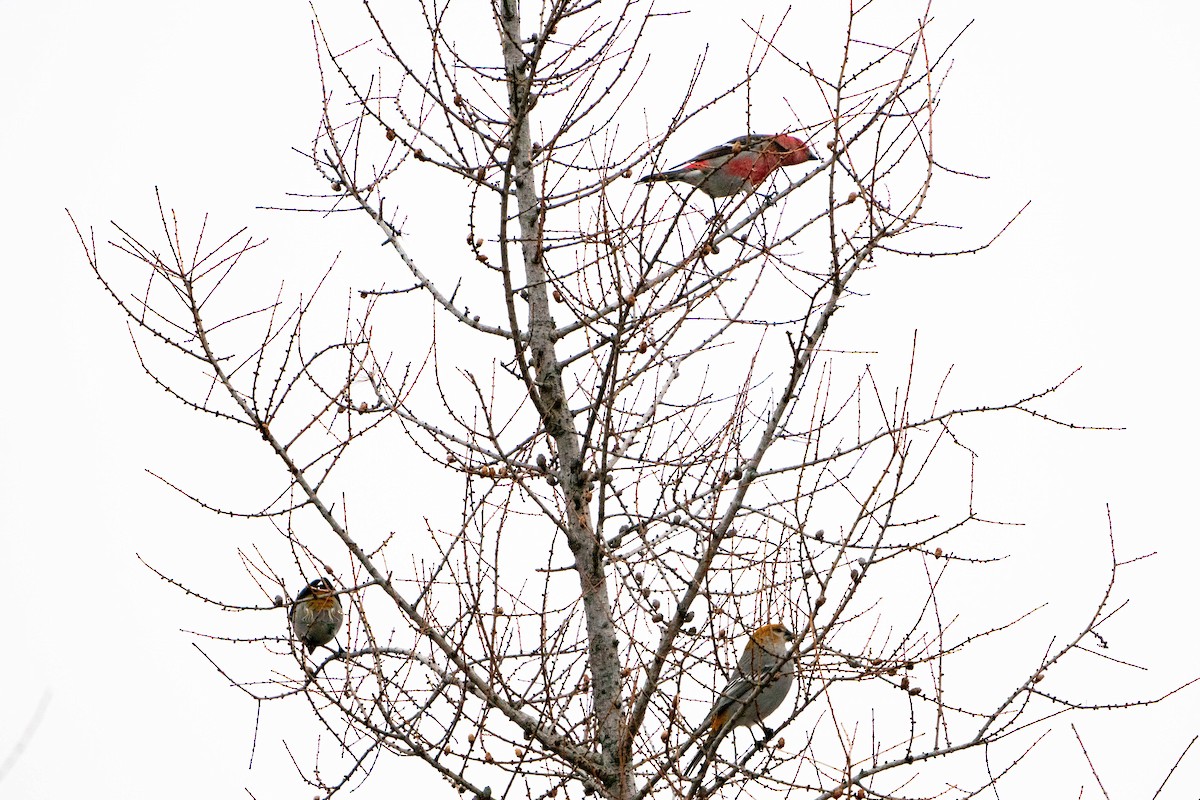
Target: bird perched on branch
{"points": [[739, 165], [766, 668], [317, 614]]}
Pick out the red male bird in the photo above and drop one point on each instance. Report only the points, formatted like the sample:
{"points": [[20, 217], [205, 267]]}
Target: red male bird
{"points": [[739, 165]]}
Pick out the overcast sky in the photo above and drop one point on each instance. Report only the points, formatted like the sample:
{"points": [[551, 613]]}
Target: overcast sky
{"points": [[1091, 117]]}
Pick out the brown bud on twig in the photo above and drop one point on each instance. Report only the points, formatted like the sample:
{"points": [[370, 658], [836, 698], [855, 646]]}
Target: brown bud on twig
{"points": [[391, 135], [557, 296]]}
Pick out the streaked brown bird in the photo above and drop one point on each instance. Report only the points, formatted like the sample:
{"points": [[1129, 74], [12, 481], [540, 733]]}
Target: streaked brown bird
{"points": [[317, 614]]}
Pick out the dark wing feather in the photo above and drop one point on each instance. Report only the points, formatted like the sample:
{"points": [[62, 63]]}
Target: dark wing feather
{"points": [[726, 149]]}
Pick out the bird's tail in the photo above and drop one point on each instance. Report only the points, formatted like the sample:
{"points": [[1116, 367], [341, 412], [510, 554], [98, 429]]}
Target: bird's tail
{"points": [[705, 744], [669, 175], [697, 759]]}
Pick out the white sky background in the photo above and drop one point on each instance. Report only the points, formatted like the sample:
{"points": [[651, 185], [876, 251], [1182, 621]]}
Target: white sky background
{"points": [[1090, 117]]}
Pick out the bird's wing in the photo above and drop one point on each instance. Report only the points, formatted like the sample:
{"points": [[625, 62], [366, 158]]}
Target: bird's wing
{"points": [[738, 687], [730, 148]]}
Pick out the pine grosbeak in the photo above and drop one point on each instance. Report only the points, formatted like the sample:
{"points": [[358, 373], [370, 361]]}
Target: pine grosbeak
{"points": [[757, 686], [317, 614], [739, 165]]}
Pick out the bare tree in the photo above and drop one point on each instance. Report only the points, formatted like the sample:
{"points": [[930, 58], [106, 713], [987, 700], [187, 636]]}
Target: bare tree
{"points": [[656, 452]]}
